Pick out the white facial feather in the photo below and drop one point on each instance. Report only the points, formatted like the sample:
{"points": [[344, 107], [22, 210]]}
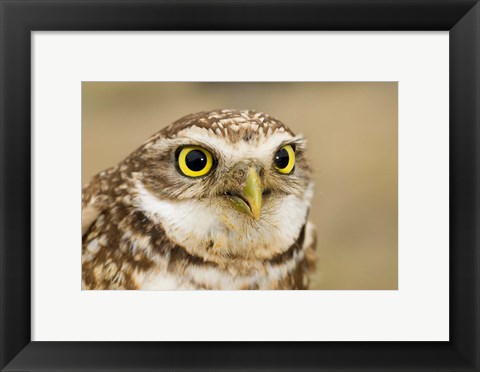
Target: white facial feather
{"points": [[193, 222], [261, 147]]}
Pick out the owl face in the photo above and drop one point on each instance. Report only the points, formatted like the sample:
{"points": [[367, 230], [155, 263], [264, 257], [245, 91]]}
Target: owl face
{"points": [[231, 172]]}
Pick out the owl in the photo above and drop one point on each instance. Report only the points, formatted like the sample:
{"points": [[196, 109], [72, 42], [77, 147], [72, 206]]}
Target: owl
{"points": [[216, 200]]}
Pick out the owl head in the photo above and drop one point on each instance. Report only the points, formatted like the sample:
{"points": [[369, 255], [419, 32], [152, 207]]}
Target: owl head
{"points": [[235, 180]]}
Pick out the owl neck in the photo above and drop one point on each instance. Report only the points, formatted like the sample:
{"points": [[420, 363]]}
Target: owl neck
{"points": [[226, 236]]}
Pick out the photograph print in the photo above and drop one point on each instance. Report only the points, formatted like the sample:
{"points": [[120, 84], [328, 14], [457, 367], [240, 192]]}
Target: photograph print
{"points": [[239, 186]]}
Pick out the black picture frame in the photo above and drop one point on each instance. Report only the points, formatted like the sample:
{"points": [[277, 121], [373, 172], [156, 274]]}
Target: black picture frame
{"points": [[18, 18]]}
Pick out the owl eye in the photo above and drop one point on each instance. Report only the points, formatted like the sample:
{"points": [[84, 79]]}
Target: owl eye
{"points": [[194, 161], [284, 159]]}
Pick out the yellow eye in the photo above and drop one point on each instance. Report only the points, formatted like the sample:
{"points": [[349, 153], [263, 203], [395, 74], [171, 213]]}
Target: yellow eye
{"points": [[194, 161], [284, 159]]}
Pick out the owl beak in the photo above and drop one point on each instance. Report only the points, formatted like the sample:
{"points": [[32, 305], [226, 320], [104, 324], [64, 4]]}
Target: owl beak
{"points": [[250, 200]]}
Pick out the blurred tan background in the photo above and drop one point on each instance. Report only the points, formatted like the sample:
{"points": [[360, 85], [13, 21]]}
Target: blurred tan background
{"points": [[352, 136]]}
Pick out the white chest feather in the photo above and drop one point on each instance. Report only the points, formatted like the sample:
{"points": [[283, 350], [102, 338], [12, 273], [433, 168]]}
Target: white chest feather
{"points": [[212, 278]]}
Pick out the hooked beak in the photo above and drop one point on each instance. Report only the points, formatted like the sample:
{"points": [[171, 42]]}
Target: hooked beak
{"points": [[250, 199]]}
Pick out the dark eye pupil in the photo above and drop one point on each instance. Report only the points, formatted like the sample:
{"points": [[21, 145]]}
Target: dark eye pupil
{"points": [[281, 158], [196, 160]]}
